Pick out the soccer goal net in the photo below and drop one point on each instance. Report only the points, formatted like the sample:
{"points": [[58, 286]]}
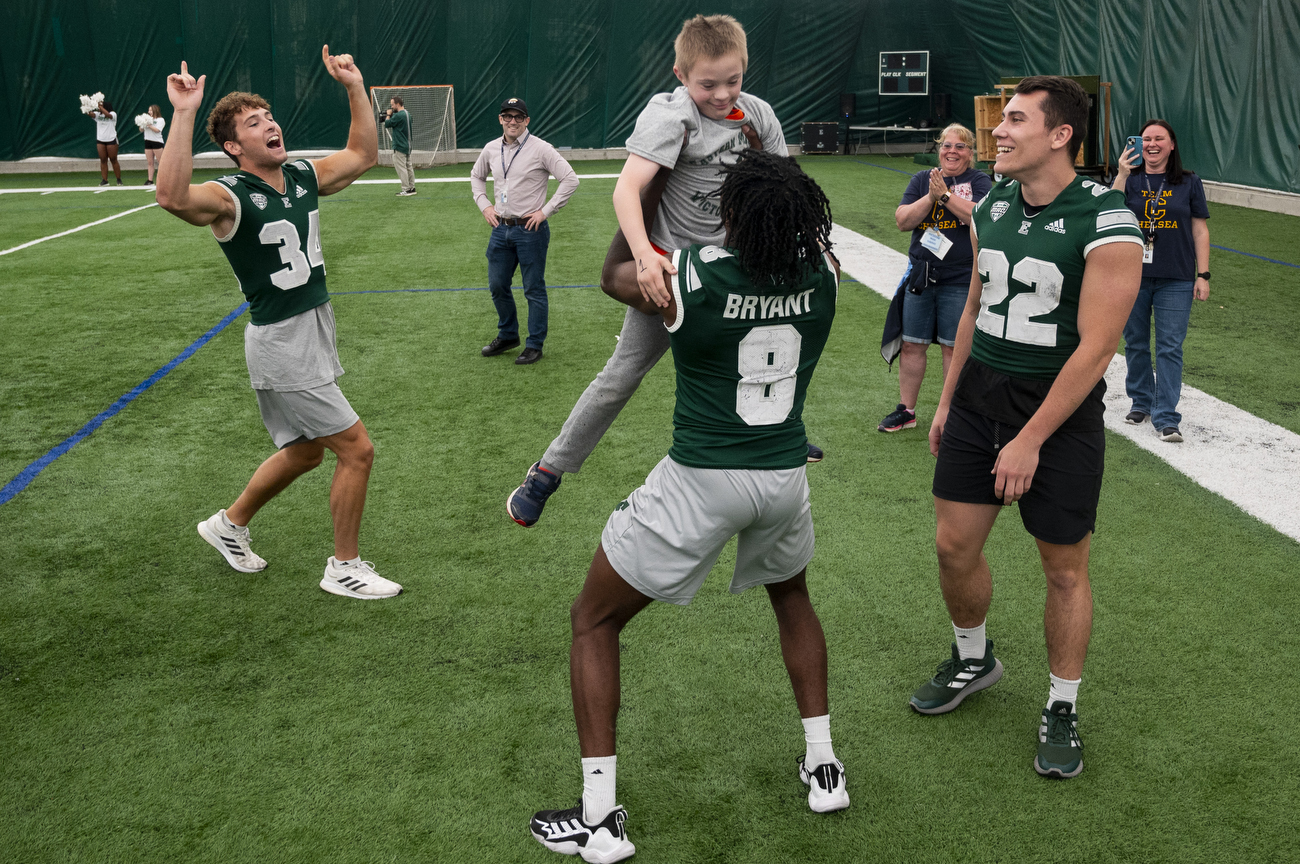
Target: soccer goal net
{"points": [[433, 122]]}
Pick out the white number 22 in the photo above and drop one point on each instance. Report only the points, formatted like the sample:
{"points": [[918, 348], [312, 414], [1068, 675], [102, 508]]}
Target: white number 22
{"points": [[298, 265], [768, 362], [1047, 281]]}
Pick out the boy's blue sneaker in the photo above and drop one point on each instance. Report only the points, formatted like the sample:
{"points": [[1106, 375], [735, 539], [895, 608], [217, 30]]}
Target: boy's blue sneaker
{"points": [[526, 503], [815, 453]]}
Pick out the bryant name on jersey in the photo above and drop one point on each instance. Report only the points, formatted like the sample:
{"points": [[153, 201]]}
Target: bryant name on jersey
{"points": [[744, 357]]}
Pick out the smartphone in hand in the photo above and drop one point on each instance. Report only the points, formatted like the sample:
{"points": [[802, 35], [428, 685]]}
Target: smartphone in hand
{"points": [[1134, 143]]}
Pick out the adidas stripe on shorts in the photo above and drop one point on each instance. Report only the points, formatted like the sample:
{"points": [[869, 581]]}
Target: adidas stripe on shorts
{"points": [[667, 535]]}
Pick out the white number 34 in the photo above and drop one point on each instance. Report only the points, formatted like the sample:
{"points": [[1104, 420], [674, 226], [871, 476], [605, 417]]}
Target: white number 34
{"points": [[282, 233]]}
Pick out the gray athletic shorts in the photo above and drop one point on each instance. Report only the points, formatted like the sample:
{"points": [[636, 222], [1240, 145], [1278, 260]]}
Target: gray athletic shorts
{"points": [[292, 416], [666, 537]]}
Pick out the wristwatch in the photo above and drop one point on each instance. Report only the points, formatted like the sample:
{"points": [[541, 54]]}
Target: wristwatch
{"points": [[1205, 275], [943, 199]]}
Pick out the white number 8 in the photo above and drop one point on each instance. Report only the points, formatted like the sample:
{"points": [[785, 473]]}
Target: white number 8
{"points": [[768, 362]]}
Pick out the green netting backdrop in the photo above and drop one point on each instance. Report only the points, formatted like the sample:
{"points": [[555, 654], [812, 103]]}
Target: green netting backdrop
{"points": [[1223, 72]]}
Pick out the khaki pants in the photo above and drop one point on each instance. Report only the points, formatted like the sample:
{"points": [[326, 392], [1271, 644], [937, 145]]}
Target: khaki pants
{"points": [[402, 162]]}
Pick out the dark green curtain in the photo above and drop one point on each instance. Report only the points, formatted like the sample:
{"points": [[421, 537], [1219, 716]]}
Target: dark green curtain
{"points": [[1223, 72]]}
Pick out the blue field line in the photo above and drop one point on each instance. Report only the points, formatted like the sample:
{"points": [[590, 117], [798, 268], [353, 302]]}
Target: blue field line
{"points": [[885, 168], [1253, 255], [28, 474]]}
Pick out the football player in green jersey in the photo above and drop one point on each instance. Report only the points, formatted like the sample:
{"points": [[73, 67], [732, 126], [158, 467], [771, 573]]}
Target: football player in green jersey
{"points": [[266, 219], [747, 323], [1057, 264]]}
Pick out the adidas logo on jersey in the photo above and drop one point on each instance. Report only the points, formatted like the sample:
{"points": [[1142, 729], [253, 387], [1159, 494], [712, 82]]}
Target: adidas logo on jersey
{"points": [[998, 210], [259, 199], [1024, 227], [299, 191], [1058, 226]]}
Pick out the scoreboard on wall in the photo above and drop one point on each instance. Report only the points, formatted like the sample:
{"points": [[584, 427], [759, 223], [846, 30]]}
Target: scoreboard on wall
{"points": [[904, 73]]}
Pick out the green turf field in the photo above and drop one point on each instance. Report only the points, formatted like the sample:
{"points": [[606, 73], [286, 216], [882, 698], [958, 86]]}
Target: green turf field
{"points": [[160, 707]]}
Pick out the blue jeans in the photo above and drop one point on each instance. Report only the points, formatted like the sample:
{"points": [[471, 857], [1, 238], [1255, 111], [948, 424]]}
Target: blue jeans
{"points": [[936, 311], [1171, 301], [511, 246]]}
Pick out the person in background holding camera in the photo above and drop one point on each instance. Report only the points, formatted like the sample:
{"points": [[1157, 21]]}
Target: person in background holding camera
{"points": [[936, 208], [153, 141], [398, 123], [106, 141], [1169, 202]]}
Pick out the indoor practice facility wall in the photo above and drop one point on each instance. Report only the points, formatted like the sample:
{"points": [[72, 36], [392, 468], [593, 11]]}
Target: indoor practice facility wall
{"points": [[1223, 73]]}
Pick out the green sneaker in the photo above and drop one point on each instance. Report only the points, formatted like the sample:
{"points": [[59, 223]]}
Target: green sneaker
{"points": [[956, 679], [1060, 752]]}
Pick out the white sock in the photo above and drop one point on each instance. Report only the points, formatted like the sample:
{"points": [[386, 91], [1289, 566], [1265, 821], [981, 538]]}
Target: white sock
{"points": [[349, 563], [970, 641], [225, 520], [1063, 690], [817, 741], [598, 775]]}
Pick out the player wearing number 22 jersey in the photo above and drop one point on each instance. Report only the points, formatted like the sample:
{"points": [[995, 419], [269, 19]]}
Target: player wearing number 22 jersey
{"points": [[747, 323]]}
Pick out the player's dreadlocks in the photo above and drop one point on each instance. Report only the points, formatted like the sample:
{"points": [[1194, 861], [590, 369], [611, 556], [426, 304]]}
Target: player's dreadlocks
{"points": [[778, 219]]}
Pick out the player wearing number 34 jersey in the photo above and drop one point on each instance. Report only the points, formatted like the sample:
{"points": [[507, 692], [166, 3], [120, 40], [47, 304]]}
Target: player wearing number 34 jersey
{"points": [[266, 219], [747, 322]]}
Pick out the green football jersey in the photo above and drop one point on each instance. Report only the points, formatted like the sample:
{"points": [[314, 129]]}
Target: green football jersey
{"points": [[274, 247], [1031, 268], [744, 357]]}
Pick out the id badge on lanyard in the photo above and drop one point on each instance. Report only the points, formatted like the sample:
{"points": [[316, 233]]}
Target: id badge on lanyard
{"points": [[1149, 247]]}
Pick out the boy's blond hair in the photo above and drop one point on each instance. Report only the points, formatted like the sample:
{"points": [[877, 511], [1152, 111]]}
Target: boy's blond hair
{"points": [[708, 36]]}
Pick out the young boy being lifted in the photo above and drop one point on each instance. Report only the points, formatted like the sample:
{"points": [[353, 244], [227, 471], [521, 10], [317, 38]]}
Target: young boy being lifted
{"points": [[687, 135]]}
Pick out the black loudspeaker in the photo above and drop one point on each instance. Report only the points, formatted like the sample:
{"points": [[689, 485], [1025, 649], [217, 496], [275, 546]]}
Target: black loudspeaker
{"points": [[820, 137], [848, 105], [942, 105]]}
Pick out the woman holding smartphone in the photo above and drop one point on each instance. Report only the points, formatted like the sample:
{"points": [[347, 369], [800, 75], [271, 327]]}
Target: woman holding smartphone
{"points": [[1169, 202]]}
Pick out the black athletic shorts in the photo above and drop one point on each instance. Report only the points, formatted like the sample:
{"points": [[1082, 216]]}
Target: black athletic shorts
{"points": [[1061, 504], [153, 145]]}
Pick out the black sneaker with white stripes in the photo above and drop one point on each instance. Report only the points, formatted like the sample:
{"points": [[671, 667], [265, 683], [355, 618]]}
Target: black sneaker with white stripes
{"points": [[564, 831], [231, 542], [955, 679], [827, 789]]}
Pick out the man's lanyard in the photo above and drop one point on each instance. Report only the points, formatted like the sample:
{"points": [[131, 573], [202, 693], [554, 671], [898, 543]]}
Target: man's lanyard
{"points": [[1151, 229], [505, 169]]}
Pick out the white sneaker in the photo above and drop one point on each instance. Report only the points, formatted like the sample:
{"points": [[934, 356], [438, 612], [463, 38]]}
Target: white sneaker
{"points": [[564, 831], [232, 543], [359, 581], [827, 791]]}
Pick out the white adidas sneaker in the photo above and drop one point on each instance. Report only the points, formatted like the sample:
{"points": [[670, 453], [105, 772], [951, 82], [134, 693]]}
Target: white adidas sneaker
{"points": [[232, 543], [827, 791], [564, 831], [358, 581]]}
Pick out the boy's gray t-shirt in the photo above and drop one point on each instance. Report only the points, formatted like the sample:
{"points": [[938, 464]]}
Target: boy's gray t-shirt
{"points": [[688, 211]]}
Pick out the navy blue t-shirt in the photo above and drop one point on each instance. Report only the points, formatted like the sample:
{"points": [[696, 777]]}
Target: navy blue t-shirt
{"points": [[955, 266], [1171, 210]]}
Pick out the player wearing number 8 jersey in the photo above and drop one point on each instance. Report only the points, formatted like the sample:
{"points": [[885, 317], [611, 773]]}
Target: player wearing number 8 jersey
{"points": [[1057, 265], [266, 219], [747, 322]]}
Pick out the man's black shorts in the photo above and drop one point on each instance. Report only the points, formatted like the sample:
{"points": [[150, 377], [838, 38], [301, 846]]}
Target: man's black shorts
{"points": [[1061, 504]]}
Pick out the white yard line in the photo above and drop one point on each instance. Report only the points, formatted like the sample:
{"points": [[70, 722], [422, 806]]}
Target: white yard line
{"points": [[79, 228], [1251, 462], [46, 190]]}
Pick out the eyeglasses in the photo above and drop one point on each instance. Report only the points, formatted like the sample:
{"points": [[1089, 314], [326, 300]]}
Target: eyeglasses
{"points": [[512, 118], [950, 146]]}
